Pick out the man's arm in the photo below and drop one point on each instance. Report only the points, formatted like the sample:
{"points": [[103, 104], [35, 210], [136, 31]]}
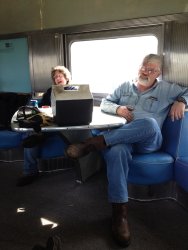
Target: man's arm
{"points": [[177, 110], [180, 98], [111, 104], [126, 112]]}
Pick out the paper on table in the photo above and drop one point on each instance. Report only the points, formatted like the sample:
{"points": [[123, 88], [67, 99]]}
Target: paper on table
{"points": [[101, 118]]}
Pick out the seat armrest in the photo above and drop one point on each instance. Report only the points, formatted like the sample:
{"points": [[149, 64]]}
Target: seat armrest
{"points": [[175, 136]]}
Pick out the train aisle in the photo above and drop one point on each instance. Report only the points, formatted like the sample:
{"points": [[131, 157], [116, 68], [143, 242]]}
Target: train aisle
{"points": [[80, 215]]}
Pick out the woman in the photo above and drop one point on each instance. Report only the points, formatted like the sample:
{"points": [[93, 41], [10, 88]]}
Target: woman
{"points": [[32, 145]]}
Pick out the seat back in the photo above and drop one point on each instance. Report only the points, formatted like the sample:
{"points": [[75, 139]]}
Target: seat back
{"points": [[9, 103], [158, 167], [175, 137], [177, 145], [10, 141]]}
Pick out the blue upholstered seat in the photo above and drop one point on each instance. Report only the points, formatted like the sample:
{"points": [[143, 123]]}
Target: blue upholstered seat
{"points": [[181, 172], [9, 103], [158, 167], [151, 168], [54, 147], [147, 169], [10, 139]]}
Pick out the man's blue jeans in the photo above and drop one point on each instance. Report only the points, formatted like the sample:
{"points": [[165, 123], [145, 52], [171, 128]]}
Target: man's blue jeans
{"points": [[139, 136]]}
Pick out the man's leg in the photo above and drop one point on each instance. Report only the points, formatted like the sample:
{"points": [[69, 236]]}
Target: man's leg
{"points": [[141, 135], [117, 159], [145, 131]]}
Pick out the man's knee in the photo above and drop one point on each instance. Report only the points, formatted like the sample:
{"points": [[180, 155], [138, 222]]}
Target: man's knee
{"points": [[150, 122], [151, 125]]}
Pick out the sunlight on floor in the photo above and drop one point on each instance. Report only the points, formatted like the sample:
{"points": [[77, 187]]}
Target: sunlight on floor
{"points": [[45, 222], [21, 210]]}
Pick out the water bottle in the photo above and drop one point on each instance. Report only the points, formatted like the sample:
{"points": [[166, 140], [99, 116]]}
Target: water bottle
{"points": [[33, 103]]}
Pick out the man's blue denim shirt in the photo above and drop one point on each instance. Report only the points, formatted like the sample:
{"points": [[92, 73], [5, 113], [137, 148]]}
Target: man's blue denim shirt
{"points": [[154, 103]]}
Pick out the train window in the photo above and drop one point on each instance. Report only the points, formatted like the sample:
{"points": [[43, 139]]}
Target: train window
{"points": [[106, 63], [105, 59]]}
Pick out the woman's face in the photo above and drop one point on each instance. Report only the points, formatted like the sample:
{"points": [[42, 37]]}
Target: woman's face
{"points": [[59, 78]]}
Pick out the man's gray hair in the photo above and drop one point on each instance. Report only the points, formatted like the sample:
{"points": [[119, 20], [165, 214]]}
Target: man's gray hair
{"points": [[153, 58]]}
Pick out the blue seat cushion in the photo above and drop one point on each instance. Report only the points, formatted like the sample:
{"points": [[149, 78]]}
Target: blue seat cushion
{"points": [[53, 147], [153, 168], [10, 139], [181, 172]]}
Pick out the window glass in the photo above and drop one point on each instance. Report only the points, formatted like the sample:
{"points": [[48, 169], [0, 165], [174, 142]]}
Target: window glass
{"points": [[106, 63]]}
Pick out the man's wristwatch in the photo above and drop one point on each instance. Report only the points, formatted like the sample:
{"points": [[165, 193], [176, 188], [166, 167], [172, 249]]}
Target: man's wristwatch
{"points": [[181, 99]]}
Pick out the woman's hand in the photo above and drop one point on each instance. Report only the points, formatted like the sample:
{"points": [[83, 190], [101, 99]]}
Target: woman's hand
{"points": [[126, 112]]}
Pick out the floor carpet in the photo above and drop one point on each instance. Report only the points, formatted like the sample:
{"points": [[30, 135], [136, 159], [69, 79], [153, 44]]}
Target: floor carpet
{"points": [[80, 214]]}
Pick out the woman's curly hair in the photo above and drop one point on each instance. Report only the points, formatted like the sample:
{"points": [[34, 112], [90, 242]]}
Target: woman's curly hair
{"points": [[62, 70]]}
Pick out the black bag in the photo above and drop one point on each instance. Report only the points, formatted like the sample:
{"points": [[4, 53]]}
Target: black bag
{"points": [[32, 117], [9, 104]]}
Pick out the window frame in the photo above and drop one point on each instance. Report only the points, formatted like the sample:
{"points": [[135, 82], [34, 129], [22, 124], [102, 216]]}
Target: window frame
{"points": [[156, 30]]}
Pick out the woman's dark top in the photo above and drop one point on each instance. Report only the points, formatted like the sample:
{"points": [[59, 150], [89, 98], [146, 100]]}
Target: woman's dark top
{"points": [[46, 98]]}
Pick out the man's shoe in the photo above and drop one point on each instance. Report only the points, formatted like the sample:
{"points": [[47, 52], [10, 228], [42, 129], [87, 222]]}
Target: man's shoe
{"points": [[53, 243], [26, 180], [120, 226], [78, 150]]}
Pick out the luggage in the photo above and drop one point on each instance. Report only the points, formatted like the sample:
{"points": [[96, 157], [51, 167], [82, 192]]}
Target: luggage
{"points": [[72, 106]]}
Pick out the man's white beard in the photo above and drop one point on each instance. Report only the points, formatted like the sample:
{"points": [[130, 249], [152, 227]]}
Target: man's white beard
{"points": [[143, 81]]}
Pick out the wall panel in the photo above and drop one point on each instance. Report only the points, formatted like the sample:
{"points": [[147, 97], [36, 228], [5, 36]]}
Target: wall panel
{"points": [[176, 53], [45, 53], [31, 15]]}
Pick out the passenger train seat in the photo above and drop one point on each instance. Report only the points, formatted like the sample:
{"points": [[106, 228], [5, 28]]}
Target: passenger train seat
{"points": [[170, 163], [10, 141]]}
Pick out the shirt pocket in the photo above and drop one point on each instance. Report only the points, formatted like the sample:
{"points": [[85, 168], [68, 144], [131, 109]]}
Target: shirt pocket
{"points": [[151, 104], [128, 99]]}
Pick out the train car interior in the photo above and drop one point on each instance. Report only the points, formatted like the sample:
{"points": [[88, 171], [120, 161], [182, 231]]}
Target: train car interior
{"points": [[102, 44]]}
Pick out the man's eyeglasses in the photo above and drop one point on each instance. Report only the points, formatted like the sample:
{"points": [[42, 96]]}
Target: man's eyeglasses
{"points": [[150, 71]]}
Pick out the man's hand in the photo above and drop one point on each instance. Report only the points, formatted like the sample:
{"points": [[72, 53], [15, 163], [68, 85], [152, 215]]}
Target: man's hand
{"points": [[177, 111], [126, 112]]}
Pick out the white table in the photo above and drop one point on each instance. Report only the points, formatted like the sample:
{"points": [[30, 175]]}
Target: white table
{"points": [[100, 120]]}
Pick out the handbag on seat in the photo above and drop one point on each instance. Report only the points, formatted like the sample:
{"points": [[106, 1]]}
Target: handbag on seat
{"points": [[32, 117]]}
